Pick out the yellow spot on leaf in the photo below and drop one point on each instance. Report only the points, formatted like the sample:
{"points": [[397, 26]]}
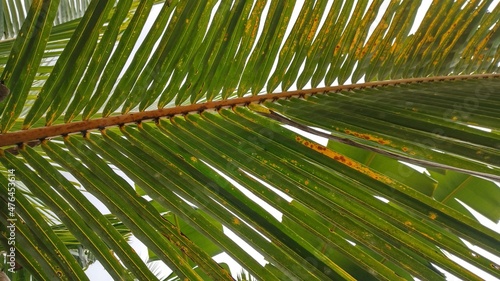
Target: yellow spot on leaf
{"points": [[259, 108], [367, 137], [236, 221], [432, 216], [344, 160]]}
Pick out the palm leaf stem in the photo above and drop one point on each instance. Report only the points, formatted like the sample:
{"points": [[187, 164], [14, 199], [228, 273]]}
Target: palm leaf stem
{"points": [[34, 134]]}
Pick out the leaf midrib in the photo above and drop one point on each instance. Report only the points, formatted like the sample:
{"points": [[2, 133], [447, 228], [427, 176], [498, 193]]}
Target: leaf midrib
{"points": [[27, 135]]}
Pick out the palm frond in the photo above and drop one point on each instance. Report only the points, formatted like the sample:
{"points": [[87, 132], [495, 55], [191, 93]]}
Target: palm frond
{"points": [[191, 114]]}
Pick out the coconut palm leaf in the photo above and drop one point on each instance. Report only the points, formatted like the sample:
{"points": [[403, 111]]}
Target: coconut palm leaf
{"points": [[208, 113]]}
